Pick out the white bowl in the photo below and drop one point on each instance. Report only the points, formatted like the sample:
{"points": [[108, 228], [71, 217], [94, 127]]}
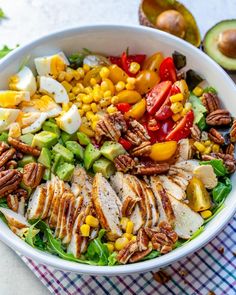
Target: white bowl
{"points": [[112, 40]]}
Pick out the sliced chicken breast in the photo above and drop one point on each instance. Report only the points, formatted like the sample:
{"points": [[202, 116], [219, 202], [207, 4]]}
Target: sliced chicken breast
{"points": [[185, 150], [36, 203], [49, 197], [63, 225], [106, 204], [137, 219], [69, 221], [186, 221], [171, 187], [14, 219]]}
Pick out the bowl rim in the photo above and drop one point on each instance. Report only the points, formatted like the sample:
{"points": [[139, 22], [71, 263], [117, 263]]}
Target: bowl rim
{"points": [[156, 263]]}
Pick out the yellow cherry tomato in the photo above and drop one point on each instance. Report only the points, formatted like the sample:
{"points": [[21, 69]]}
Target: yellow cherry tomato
{"points": [[163, 151], [117, 74], [153, 62], [137, 110], [95, 74], [146, 80], [129, 96]]}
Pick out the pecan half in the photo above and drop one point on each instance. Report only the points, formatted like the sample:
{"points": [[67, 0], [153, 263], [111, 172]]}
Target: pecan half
{"points": [[139, 255], [32, 174], [125, 254], [233, 132], [211, 102], [11, 164], [13, 202], [152, 168], [195, 132], [22, 147], [218, 118], [3, 147], [124, 163], [142, 240], [144, 149], [215, 136], [136, 133], [229, 149], [111, 126], [6, 156], [161, 277], [9, 181]]}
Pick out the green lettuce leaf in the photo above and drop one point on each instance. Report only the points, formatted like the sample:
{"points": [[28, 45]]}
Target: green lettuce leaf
{"points": [[217, 165], [151, 255], [112, 259], [4, 51], [3, 203], [2, 14], [221, 191]]}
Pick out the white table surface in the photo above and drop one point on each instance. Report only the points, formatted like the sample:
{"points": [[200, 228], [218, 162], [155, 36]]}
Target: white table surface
{"points": [[29, 19]]}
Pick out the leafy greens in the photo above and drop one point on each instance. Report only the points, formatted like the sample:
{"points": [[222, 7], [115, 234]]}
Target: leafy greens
{"points": [[217, 165]]}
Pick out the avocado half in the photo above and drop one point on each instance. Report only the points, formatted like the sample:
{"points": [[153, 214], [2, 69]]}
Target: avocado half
{"points": [[212, 44], [149, 10]]}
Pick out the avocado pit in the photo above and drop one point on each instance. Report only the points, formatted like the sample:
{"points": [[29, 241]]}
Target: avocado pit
{"points": [[227, 43], [173, 22]]}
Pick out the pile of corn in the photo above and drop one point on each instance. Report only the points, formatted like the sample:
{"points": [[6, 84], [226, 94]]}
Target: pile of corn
{"points": [[95, 91], [178, 107], [206, 147]]}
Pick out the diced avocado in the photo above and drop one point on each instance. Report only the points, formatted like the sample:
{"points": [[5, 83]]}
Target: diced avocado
{"points": [[66, 136], [198, 108], [83, 138], [64, 171], [26, 160], [57, 161], [44, 139], [47, 174], [76, 149], [91, 154], [104, 166], [45, 157], [66, 154], [27, 138], [52, 120], [4, 136], [111, 150], [52, 127]]}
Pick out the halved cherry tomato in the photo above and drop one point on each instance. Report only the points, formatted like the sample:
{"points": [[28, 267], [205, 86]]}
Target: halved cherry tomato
{"points": [[182, 129], [153, 62], [167, 70], [157, 96], [126, 60], [164, 113], [125, 143], [165, 128], [115, 60], [123, 107], [145, 80], [174, 90]]}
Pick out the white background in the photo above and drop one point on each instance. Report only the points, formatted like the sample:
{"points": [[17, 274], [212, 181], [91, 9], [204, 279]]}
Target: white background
{"points": [[30, 19]]}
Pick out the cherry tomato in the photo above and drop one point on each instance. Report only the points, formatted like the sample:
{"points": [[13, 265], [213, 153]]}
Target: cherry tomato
{"points": [[125, 143], [165, 128], [115, 60], [146, 80], [164, 113], [157, 96], [174, 90], [126, 60], [123, 107], [153, 62], [182, 128], [167, 70]]}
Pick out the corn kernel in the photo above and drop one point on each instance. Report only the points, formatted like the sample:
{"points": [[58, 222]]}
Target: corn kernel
{"points": [[61, 76], [94, 124], [134, 238], [207, 150], [86, 68], [207, 143], [97, 95], [87, 99], [85, 230], [128, 236], [177, 97], [199, 146], [78, 104], [91, 221], [215, 148], [88, 90], [66, 85], [104, 73], [76, 75], [123, 222], [81, 112], [110, 247], [129, 227], [93, 81], [184, 112], [177, 117], [176, 107], [111, 109], [76, 90], [131, 80], [69, 76], [134, 67], [120, 86], [65, 107], [120, 243], [107, 93], [115, 100], [197, 91], [130, 86], [88, 131], [89, 115], [71, 96], [206, 214], [105, 102], [81, 72], [188, 106], [80, 96], [86, 107], [94, 107], [104, 86]]}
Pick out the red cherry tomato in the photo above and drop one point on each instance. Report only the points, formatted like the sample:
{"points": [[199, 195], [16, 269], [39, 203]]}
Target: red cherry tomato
{"points": [[123, 107], [167, 70], [115, 60], [126, 60], [182, 129], [174, 90], [152, 134], [164, 113], [157, 96], [125, 143], [165, 128]]}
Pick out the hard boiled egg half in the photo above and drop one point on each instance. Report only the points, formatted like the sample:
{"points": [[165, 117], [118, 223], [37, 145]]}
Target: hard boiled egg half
{"points": [[70, 121], [7, 117], [24, 80], [11, 98], [51, 65]]}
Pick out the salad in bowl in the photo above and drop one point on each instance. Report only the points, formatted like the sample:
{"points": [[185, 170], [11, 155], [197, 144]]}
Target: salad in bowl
{"points": [[108, 160]]}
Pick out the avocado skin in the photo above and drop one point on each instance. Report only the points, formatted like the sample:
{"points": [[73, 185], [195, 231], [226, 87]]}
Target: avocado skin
{"points": [[91, 154], [111, 150], [45, 157], [104, 166], [76, 149], [210, 38]]}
